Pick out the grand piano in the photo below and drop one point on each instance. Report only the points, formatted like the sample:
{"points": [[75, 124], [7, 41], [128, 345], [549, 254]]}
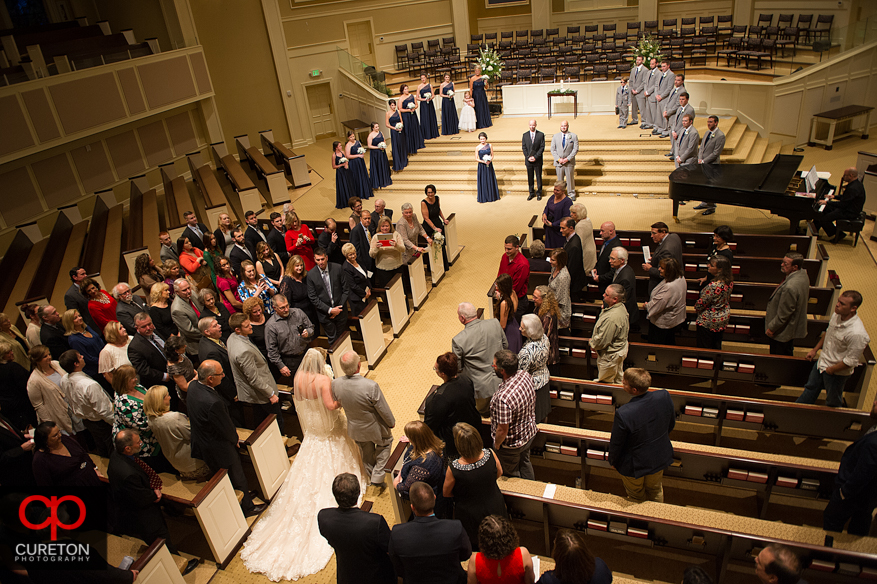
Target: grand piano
{"points": [[769, 185]]}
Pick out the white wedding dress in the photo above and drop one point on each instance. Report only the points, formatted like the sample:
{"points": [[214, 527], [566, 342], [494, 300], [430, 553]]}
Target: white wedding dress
{"points": [[286, 543]]}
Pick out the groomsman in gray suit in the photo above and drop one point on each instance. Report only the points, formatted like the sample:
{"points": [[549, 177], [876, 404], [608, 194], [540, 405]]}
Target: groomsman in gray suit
{"points": [[684, 108], [671, 104], [650, 97], [662, 93], [369, 419], [564, 146], [638, 76], [711, 153], [622, 101], [686, 144]]}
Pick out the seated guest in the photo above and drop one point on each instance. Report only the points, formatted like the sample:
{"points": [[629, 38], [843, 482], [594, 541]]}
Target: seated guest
{"points": [[185, 311], [387, 258], [559, 282], [357, 280], [533, 358], [330, 241], [44, 391], [287, 335], [666, 305], [127, 305], [212, 307], [471, 481], [537, 260], [294, 287], [85, 340], [59, 460], [20, 346], [422, 462], [778, 564], [179, 366], [52, 332], [255, 285], [428, 549], [88, 401], [32, 334], [846, 205], [129, 414], [160, 310], [146, 273], [360, 539], [546, 308], [227, 284], [452, 402], [13, 390], [574, 563], [16, 455], [501, 558], [713, 308], [173, 433]]}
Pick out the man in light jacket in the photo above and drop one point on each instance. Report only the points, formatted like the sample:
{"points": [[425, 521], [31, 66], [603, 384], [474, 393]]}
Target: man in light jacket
{"points": [[252, 377], [186, 312], [786, 317], [475, 347], [609, 338]]}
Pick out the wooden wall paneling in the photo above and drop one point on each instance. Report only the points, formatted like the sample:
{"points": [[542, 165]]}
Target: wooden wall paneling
{"points": [[40, 113], [20, 201], [181, 132], [93, 166], [125, 154], [131, 90], [202, 76], [16, 133], [167, 81], [154, 139], [56, 180], [75, 102]]}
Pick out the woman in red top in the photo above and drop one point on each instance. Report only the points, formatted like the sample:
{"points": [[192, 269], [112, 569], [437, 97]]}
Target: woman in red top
{"points": [[299, 240], [101, 306], [501, 560], [191, 258]]}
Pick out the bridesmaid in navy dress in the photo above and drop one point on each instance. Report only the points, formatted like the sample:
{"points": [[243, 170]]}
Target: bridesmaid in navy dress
{"points": [[380, 167], [413, 136], [450, 124], [343, 188], [488, 190], [362, 187], [428, 121], [477, 86], [397, 138]]}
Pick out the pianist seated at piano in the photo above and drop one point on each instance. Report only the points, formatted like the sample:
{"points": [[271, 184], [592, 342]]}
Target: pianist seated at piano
{"points": [[845, 205]]}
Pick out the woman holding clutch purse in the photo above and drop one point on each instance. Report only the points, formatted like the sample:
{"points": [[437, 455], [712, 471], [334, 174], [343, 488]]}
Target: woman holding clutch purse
{"points": [[387, 249]]}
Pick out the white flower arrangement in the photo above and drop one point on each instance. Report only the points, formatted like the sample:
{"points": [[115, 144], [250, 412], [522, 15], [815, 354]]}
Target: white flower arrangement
{"points": [[427, 95], [490, 63], [342, 160], [382, 145], [438, 242], [487, 158], [360, 150], [399, 126], [485, 77], [451, 93]]}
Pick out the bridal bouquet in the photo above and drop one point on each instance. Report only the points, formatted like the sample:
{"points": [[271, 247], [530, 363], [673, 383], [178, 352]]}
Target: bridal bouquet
{"points": [[399, 126], [438, 242], [485, 77], [382, 145], [342, 160], [360, 150], [427, 95], [450, 93], [487, 157]]}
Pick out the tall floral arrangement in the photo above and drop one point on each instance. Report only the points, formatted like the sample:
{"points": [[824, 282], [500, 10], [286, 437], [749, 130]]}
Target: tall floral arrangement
{"points": [[490, 63], [649, 47]]}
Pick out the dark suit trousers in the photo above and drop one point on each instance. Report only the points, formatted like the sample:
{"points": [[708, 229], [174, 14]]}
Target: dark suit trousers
{"points": [[292, 362], [238, 481], [838, 510], [334, 327], [523, 308], [102, 434], [826, 220], [782, 348], [534, 168], [262, 411]]}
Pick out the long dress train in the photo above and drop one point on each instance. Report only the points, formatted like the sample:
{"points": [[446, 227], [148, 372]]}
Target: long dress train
{"points": [[398, 144], [428, 121], [450, 124], [482, 108], [379, 173], [488, 190], [359, 174]]}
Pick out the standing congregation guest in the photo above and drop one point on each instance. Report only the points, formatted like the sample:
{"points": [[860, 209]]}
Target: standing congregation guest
{"points": [[357, 280], [88, 401], [14, 401], [252, 232], [846, 205], [359, 238], [300, 240], [45, 393], [778, 564], [174, 434], [609, 338], [786, 316], [488, 189], [516, 265], [379, 164], [639, 447], [651, 98], [471, 480], [52, 332], [602, 273], [358, 172], [713, 308], [506, 305], [387, 258], [146, 353], [268, 264], [623, 274], [513, 416], [686, 143], [722, 235], [128, 413], [171, 271], [75, 297], [537, 260], [254, 310], [380, 211], [186, 309], [146, 273], [433, 218], [474, 348], [533, 358], [422, 461], [287, 336], [428, 120], [60, 461], [500, 560], [546, 308], [452, 402], [160, 310], [533, 145], [666, 305], [193, 263], [413, 134], [450, 123], [585, 230], [564, 147], [669, 246], [32, 334], [255, 285], [224, 239], [216, 309], [83, 339], [330, 241], [294, 287], [128, 304], [468, 121], [227, 284], [276, 237], [239, 252], [638, 76], [195, 230], [20, 346], [213, 348], [574, 257], [252, 376], [168, 251], [622, 103], [556, 209], [573, 561], [101, 306], [398, 141], [409, 228], [478, 90], [179, 366], [559, 283], [115, 352], [842, 345], [328, 291], [343, 184]]}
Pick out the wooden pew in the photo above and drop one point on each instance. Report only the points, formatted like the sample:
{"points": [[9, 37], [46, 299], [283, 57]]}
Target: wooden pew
{"points": [[434, 261], [452, 242], [176, 196], [157, 566], [245, 195], [392, 302], [274, 178], [21, 259], [102, 251], [267, 451], [208, 186], [294, 165], [370, 331], [417, 277]]}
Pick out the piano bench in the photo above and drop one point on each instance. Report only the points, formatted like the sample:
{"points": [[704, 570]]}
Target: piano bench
{"points": [[852, 226]]}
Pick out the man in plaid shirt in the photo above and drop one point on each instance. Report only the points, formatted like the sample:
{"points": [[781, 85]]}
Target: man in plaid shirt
{"points": [[513, 416]]}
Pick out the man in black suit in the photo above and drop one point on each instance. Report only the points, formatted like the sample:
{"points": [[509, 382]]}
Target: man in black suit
{"points": [[214, 437], [380, 211], [128, 305], [146, 353], [427, 549], [75, 299], [360, 539], [610, 242], [276, 238], [211, 347], [253, 235], [533, 144], [328, 290], [52, 333], [574, 258], [847, 205], [360, 238], [622, 273], [669, 246], [16, 456], [240, 252], [194, 230], [331, 242], [639, 447]]}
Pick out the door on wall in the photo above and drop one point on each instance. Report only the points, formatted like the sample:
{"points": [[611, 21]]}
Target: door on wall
{"points": [[321, 110], [360, 39]]}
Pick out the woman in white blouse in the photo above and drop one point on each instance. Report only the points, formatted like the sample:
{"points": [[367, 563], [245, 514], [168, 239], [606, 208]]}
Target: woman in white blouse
{"points": [[388, 258], [409, 228], [115, 352]]}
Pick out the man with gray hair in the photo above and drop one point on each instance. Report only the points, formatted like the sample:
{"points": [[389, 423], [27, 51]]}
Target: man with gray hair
{"points": [[128, 304], [380, 211], [609, 338], [623, 274], [287, 335], [475, 347], [369, 419], [186, 309]]}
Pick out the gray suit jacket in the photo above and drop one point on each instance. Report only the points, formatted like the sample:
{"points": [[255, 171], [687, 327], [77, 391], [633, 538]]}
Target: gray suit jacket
{"points": [[187, 322], [252, 376], [671, 104], [676, 119], [711, 150], [665, 85], [126, 312], [786, 312], [569, 151], [686, 146], [638, 79], [475, 347], [369, 418], [622, 96], [169, 254], [652, 83]]}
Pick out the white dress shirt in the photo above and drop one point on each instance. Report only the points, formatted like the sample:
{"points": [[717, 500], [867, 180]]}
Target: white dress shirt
{"points": [[845, 340]]}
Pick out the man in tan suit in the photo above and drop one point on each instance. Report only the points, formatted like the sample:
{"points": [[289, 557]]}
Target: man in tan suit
{"points": [[786, 316]]}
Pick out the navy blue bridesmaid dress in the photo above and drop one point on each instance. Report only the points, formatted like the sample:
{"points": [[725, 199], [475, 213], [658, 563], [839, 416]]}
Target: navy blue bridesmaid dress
{"points": [[488, 190], [343, 188], [397, 143], [411, 129], [380, 167], [362, 187], [428, 121], [450, 123], [482, 108]]}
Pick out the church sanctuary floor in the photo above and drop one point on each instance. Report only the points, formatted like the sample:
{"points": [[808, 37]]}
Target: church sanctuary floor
{"points": [[405, 373]]}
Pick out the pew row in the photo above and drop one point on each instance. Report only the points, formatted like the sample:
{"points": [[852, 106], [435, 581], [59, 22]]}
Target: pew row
{"points": [[103, 243], [245, 195], [369, 330], [21, 258], [452, 247], [393, 303], [267, 451], [277, 185], [176, 196], [157, 566], [294, 165], [208, 187]]}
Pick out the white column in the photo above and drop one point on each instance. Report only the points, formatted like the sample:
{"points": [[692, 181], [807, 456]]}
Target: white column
{"points": [[460, 17], [277, 38], [541, 13]]}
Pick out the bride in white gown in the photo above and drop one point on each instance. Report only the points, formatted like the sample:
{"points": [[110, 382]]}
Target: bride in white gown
{"points": [[286, 543]]}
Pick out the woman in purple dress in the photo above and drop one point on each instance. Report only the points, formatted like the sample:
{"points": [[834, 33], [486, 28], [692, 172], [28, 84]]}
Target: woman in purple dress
{"points": [[507, 304], [556, 209]]}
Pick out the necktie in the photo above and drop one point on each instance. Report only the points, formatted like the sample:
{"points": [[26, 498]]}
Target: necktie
{"points": [[635, 73], [564, 141], [675, 89], [196, 230], [663, 75], [9, 427], [325, 274], [154, 479], [156, 340], [246, 251], [708, 136], [197, 312]]}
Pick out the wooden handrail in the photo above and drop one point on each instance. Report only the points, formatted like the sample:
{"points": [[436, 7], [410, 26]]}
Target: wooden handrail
{"points": [[206, 489], [337, 344], [260, 429], [147, 555]]}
